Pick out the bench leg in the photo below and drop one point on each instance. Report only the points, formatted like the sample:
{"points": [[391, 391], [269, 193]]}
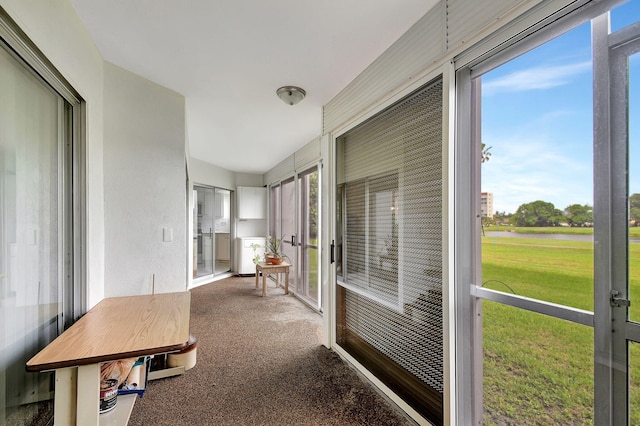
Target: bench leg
{"points": [[88, 400], [286, 281], [264, 284], [64, 408]]}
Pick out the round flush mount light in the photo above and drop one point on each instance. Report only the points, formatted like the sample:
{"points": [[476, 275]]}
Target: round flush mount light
{"points": [[291, 95]]}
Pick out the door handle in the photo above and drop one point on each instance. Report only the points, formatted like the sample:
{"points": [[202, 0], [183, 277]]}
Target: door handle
{"points": [[293, 240]]}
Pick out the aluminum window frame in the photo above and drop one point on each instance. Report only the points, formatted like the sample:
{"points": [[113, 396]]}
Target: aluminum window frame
{"points": [[343, 279], [467, 253]]}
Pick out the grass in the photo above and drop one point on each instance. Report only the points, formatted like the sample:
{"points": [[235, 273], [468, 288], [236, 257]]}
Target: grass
{"points": [[312, 273], [537, 369]]}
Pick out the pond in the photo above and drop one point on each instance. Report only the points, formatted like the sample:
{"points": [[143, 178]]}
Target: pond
{"points": [[571, 237]]}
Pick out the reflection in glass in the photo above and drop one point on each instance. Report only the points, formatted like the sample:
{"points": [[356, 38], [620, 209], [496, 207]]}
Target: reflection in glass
{"points": [[274, 210], [204, 231], [537, 369], [288, 225], [222, 227], [383, 234], [31, 287]]}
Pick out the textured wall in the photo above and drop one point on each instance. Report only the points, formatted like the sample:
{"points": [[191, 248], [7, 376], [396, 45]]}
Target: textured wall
{"points": [[145, 185]]}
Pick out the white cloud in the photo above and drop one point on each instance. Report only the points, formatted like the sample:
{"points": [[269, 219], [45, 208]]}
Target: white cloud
{"points": [[537, 78], [526, 169]]}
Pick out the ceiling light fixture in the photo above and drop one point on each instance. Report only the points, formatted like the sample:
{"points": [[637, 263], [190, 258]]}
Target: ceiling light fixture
{"points": [[291, 94]]}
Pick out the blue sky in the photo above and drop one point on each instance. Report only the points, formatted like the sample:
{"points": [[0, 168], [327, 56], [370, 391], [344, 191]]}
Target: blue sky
{"points": [[537, 117]]}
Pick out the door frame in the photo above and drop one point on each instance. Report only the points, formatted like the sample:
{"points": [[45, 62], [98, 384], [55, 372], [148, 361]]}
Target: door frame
{"points": [[195, 281], [317, 167], [611, 401], [296, 262], [614, 331]]}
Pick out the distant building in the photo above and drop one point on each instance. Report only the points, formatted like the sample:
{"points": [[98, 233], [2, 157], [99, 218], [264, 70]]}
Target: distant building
{"points": [[486, 204]]}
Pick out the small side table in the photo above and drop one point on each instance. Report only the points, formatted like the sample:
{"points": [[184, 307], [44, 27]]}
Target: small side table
{"points": [[268, 268]]}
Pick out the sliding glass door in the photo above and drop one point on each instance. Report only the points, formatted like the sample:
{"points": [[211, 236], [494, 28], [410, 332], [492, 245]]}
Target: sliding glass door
{"points": [[211, 233], [294, 218], [308, 234], [288, 232], [389, 248], [222, 230], [36, 286], [203, 232]]}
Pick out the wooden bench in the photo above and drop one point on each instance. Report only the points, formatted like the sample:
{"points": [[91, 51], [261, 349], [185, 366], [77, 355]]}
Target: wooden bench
{"points": [[116, 328]]}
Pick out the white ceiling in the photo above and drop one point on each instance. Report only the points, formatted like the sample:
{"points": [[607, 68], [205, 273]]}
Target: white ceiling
{"points": [[228, 58]]}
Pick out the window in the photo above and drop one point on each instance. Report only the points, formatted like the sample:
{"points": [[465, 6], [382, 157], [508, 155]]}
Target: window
{"points": [[372, 238]]}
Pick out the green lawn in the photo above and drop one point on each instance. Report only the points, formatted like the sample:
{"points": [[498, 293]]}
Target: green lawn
{"points": [[539, 370]]}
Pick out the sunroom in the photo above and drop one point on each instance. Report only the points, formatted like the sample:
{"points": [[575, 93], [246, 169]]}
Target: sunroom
{"points": [[133, 165]]}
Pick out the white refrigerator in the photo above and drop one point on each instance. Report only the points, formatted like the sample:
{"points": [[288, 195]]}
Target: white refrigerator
{"points": [[245, 254]]}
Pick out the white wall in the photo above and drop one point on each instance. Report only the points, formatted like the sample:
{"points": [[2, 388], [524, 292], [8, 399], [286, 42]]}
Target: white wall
{"points": [[247, 179], [144, 185], [204, 173], [57, 31], [448, 29]]}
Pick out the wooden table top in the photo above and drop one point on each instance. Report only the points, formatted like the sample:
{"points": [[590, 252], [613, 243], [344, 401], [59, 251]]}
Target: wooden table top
{"points": [[271, 265], [118, 328]]}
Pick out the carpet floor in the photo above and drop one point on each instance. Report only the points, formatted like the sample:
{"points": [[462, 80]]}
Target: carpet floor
{"points": [[260, 362]]}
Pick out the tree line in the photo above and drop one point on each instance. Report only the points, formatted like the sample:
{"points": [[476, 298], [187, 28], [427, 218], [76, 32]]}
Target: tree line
{"points": [[543, 213]]}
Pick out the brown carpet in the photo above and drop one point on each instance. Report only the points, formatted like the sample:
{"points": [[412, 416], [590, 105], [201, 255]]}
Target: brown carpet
{"points": [[260, 362]]}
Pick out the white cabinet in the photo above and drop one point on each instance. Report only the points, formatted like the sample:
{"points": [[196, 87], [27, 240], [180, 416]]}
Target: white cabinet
{"points": [[252, 202]]}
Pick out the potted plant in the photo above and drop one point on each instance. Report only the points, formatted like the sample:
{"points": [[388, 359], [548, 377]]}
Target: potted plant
{"points": [[272, 253]]}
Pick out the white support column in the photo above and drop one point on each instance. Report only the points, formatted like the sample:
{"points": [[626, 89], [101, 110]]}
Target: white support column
{"points": [[64, 409], [88, 400]]}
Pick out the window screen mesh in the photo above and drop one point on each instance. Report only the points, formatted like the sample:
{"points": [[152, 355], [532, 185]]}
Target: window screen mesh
{"points": [[390, 246]]}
